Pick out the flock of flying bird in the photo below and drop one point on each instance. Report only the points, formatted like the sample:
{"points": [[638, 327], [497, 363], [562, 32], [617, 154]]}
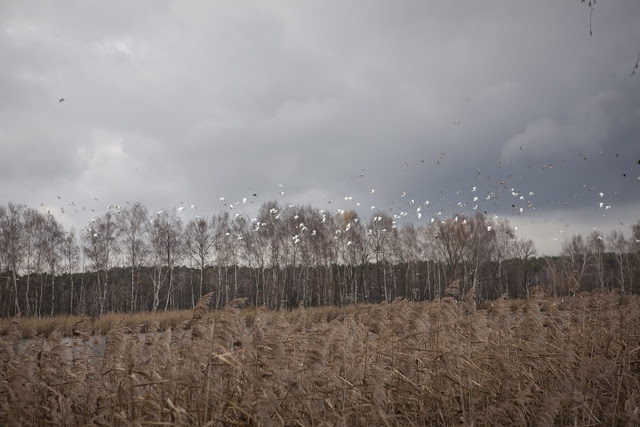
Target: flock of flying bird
{"points": [[487, 196]]}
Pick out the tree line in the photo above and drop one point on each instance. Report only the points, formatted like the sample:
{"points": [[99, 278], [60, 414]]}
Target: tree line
{"points": [[130, 260]]}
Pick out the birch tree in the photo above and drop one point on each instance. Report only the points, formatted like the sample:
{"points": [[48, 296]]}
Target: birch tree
{"points": [[33, 231], [166, 235], [598, 252], [524, 250], [577, 257], [71, 254], [53, 248], [620, 248], [101, 248], [200, 241], [12, 244], [133, 237]]}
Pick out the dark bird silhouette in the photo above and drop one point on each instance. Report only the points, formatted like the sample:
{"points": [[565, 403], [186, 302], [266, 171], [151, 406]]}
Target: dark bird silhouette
{"points": [[61, 99]]}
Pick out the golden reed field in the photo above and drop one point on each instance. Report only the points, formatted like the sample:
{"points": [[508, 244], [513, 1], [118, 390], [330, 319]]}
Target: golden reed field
{"points": [[541, 363]]}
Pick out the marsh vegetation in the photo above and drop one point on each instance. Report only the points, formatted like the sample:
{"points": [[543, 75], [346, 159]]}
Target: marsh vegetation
{"points": [[540, 362]]}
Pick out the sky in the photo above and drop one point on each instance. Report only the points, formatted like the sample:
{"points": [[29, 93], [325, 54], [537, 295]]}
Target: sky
{"points": [[173, 103]]}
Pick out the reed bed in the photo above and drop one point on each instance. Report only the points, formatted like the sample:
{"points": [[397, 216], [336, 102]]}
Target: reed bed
{"points": [[406, 363], [30, 327]]}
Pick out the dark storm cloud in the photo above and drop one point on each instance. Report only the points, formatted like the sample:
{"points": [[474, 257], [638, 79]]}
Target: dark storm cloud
{"points": [[170, 102]]}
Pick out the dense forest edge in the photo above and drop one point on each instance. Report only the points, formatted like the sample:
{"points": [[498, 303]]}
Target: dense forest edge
{"points": [[130, 260]]}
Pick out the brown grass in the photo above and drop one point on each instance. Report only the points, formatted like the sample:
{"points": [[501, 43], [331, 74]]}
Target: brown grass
{"points": [[405, 363]]}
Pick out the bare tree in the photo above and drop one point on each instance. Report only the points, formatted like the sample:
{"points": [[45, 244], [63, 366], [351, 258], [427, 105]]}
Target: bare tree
{"points": [[200, 242], [620, 248], [12, 243], [224, 254], [350, 242], [267, 230], [71, 254], [166, 237], [41, 245], [502, 249], [577, 257], [554, 277], [157, 273], [427, 235], [360, 257], [286, 256], [485, 240], [33, 231], [598, 252], [451, 242], [101, 248], [635, 237], [133, 235], [408, 251], [3, 255], [53, 248], [378, 237], [322, 228], [240, 230], [256, 251], [635, 245], [524, 250]]}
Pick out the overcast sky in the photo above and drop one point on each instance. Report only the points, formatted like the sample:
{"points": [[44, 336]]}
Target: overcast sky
{"points": [[171, 102]]}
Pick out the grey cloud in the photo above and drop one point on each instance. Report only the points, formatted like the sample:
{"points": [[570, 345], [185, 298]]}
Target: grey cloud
{"points": [[167, 101]]}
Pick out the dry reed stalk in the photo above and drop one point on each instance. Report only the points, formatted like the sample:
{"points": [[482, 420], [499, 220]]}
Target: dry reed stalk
{"points": [[405, 363]]}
